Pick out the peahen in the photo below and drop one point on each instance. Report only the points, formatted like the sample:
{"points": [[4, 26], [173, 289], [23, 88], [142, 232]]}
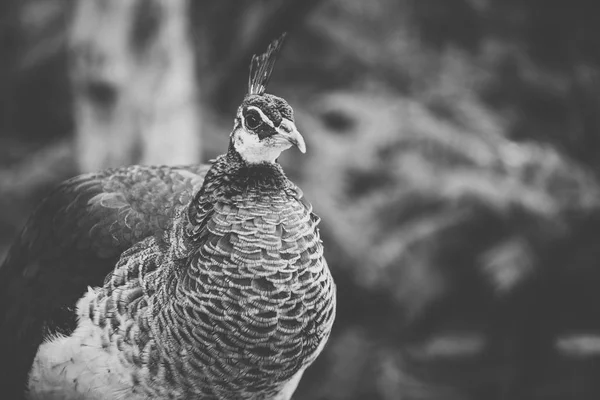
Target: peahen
{"points": [[192, 282]]}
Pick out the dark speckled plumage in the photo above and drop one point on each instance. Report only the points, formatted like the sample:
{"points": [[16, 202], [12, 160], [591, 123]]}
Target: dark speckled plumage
{"points": [[274, 107], [213, 283], [72, 241], [241, 296]]}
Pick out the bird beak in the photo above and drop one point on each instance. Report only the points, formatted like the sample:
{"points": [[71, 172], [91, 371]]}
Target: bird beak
{"points": [[288, 132]]}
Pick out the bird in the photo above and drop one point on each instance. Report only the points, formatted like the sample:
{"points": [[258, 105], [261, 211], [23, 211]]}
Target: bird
{"points": [[172, 282]]}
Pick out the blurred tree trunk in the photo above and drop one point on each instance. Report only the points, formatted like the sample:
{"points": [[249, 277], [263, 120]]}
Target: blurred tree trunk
{"points": [[134, 88]]}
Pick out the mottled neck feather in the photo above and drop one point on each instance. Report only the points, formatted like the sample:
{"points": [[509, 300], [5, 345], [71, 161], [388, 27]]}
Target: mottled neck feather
{"points": [[236, 176], [231, 180]]}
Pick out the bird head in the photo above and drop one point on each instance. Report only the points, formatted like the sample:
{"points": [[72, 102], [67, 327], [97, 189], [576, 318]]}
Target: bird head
{"points": [[264, 125]]}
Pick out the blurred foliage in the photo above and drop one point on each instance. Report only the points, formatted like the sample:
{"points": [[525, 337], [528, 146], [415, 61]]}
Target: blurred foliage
{"points": [[544, 58], [451, 156], [461, 257]]}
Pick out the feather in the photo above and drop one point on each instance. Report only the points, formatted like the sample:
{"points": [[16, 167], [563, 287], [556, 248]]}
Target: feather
{"points": [[261, 67], [193, 267]]}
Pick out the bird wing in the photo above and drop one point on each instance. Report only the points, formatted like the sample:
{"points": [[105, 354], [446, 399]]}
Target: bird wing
{"points": [[72, 241]]}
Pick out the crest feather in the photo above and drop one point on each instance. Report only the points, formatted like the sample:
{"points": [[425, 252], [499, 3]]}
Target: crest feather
{"points": [[262, 65]]}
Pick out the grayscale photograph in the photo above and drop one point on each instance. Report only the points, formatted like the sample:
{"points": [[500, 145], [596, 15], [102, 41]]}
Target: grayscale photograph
{"points": [[299, 200]]}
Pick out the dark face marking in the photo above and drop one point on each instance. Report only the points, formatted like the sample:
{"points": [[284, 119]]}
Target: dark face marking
{"points": [[253, 119], [254, 122], [274, 108]]}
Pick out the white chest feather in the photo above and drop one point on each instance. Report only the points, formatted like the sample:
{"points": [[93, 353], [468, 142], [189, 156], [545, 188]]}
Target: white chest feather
{"points": [[77, 367]]}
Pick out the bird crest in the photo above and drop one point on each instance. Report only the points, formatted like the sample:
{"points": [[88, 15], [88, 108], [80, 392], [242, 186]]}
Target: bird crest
{"points": [[262, 65]]}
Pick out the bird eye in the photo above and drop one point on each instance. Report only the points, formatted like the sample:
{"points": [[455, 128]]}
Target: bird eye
{"points": [[253, 121]]}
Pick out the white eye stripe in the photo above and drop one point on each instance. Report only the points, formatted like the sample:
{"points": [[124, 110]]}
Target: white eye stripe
{"points": [[265, 119]]}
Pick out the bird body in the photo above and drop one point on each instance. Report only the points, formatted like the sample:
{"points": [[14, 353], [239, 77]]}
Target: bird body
{"points": [[215, 285]]}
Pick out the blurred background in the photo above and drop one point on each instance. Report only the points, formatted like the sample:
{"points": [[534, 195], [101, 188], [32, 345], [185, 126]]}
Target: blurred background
{"points": [[452, 154]]}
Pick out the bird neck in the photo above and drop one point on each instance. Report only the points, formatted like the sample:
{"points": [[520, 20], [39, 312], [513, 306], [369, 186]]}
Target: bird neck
{"points": [[232, 181], [231, 175]]}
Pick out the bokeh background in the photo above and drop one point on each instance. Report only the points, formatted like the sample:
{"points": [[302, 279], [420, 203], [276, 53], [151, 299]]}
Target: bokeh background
{"points": [[452, 155]]}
